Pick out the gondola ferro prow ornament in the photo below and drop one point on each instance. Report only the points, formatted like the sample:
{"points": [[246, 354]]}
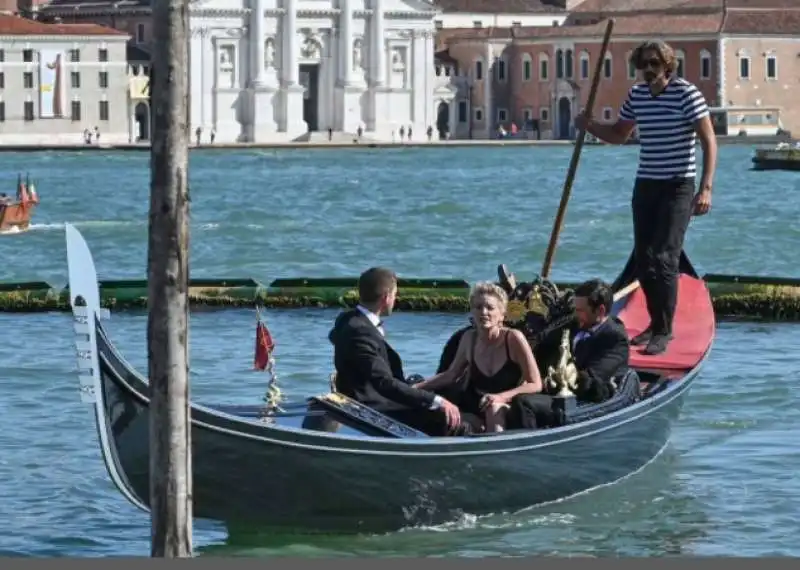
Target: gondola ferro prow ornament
{"points": [[564, 376]]}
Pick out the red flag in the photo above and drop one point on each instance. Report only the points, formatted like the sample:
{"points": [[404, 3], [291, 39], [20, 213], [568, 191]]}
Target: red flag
{"points": [[264, 346]]}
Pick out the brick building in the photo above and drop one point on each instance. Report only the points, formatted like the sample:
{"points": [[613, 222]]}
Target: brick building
{"points": [[740, 53]]}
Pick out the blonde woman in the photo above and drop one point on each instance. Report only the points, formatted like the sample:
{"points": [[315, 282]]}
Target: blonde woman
{"points": [[498, 361]]}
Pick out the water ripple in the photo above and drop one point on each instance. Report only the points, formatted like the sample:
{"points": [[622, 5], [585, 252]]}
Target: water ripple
{"points": [[726, 485]]}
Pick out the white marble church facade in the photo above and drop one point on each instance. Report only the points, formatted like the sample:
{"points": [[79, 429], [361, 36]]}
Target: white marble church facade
{"points": [[273, 70]]}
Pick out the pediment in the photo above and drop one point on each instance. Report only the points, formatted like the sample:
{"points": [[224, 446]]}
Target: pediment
{"points": [[410, 6]]}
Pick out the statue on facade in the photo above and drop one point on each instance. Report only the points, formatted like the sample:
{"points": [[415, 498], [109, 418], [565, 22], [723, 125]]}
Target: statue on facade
{"points": [[311, 47], [398, 60], [269, 53], [357, 48]]}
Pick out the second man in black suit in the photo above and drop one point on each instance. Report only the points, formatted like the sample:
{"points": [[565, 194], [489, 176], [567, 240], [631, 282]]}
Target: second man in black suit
{"points": [[600, 350], [370, 371]]}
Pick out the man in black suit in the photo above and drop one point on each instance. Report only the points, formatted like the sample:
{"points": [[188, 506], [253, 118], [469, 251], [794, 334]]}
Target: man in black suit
{"points": [[600, 346], [370, 371], [600, 351]]}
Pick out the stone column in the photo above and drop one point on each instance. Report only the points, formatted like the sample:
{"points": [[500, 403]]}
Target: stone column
{"points": [[292, 114], [256, 39], [378, 58], [291, 71], [346, 42], [453, 118]]}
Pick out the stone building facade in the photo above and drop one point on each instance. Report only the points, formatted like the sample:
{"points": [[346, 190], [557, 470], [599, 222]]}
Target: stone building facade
{"points": [[744, 54], [275, 70], [56, 80]]}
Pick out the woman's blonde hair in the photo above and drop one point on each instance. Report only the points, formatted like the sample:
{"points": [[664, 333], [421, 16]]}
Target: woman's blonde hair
{"points": [[664, 51], [488, 289]]}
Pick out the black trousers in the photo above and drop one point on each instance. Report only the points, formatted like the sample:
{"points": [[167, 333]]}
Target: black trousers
{"points": [[661, 213]]}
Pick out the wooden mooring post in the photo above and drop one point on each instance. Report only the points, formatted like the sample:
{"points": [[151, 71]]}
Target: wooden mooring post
{"points": [[168, 278]]}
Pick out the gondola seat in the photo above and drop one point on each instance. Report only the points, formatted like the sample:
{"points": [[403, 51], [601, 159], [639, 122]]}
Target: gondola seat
{"points": [[628, 392]]}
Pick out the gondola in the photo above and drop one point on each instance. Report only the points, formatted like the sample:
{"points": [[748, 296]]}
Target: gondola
{"points": [[326, 464]]}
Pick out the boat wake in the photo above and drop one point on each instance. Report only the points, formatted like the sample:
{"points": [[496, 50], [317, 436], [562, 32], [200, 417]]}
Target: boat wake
{"points": [[59, 226], [86, 224], [521, 518]]}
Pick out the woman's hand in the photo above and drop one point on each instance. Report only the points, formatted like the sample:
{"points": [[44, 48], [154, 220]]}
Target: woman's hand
{"points": [[494, 400]]}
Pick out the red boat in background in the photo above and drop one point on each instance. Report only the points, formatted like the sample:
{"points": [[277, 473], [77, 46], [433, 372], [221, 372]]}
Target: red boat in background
{"points": [[16, 214]]}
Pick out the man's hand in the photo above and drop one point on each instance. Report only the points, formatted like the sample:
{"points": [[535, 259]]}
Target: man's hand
{"points": [[452, 413], [582, 122], [702, 201]]}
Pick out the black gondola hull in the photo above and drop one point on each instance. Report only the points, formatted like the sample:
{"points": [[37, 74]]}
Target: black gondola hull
{"points": [[248, 472]]}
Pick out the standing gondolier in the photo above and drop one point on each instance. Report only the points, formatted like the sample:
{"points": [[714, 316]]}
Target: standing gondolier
{"points": [[671, 114]]}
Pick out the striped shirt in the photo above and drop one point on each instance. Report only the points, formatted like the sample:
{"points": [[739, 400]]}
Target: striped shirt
{"points": [[666, 128]]}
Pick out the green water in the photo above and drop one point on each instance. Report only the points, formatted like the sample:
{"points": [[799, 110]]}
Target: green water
{"points": [[726, 484]]}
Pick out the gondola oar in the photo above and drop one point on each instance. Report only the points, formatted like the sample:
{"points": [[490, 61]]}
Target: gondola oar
{"points": [[576, 156]]}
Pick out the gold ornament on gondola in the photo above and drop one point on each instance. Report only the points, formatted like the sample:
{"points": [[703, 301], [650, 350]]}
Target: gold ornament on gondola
{"points": [[515, 311], [536, 304]]}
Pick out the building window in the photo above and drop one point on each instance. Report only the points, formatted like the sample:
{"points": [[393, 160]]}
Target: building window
{"points": [[607, 113], [478, 70], [2, 80], [632, 71], [744, 67], [584, 65], [102, 79], [527, 114], [705, 65], [76, 111], [527, 67], [680, 63], [772, 67], [27, 80], [462, 111], [28, 110], [2, 111], [438, 23], [74, 55], [139, 33], [500, 66], [544, 113], [2, 55], [478, 114], [544, 64], [477, 24], [607, 69], [559, 64], [569, 64], [516, 24], [103, 110], [502, 115], [102, 54], [75, 79], [27, 55]]}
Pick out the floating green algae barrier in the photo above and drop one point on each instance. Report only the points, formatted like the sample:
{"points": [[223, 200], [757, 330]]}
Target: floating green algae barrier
{"points": [[746, 297], [132, 293], [27, 296]]}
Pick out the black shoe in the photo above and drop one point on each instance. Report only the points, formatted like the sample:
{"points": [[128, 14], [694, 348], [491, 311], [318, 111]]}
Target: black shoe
{"points": [[658, 344], [642, 338]]}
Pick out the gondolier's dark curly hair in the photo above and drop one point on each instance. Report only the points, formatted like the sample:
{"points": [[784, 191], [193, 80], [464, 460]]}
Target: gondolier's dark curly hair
{"points": [[665, 53]]}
